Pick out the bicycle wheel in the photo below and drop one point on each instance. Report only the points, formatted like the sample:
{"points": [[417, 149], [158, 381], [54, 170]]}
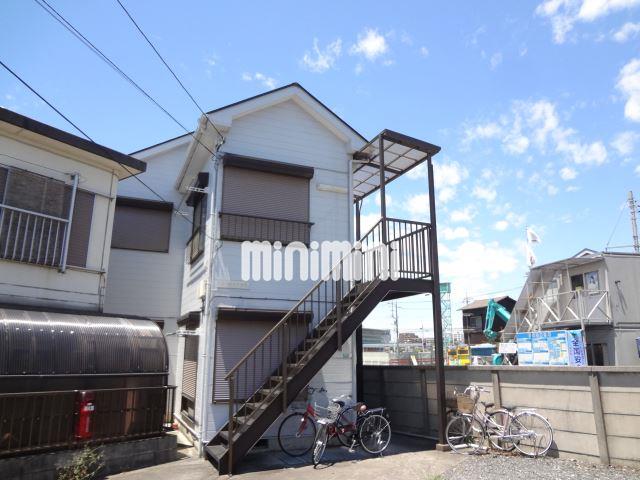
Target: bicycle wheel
{"points": [[296, 434], [374, 433], [465, 434], [497, 426], [320, 444], [534, 433]]}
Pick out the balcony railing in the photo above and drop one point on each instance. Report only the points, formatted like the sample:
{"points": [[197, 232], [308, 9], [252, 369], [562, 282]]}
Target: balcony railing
{"points": [[35, 421], [578, 307], [32, 237], [238, 227]]}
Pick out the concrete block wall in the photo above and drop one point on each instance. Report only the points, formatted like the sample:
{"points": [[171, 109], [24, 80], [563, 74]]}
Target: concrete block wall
{"points": [[594, 411]]}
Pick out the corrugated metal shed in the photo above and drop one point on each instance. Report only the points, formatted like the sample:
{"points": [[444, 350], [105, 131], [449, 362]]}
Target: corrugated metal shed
{"points": [[47, 343]]}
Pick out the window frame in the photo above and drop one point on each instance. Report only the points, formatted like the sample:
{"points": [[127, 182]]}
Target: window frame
{"points": [[143, 204]]}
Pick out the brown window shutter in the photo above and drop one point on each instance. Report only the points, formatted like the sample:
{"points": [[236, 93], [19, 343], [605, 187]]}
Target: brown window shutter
{"points": [[3, 182], [190, 367], [142, 225], [80, 228], [263, 194]]}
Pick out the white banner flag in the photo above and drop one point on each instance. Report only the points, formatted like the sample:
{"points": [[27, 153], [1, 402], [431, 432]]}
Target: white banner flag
{"points": [[532, 237], [531, 258]]}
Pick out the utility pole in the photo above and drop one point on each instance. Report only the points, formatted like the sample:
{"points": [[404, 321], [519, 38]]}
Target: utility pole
{"points": [[633, 208], [394, 314]]}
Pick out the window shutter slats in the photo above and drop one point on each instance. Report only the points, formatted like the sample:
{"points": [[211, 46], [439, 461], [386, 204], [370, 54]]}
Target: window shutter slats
{"points": [[80, 228], [190, 367], [138, 228]]}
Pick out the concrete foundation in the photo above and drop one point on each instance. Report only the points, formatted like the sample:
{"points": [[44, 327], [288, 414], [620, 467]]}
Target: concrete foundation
{"points": [[117, 457]]}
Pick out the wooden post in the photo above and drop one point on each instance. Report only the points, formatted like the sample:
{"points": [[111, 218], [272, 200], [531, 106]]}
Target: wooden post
{"points": [[598, 414]]}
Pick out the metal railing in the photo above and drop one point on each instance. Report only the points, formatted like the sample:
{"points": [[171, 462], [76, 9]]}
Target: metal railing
{"points": [[32, 237], [580, 307], [239, 227], [391, 245], [33, 421]]}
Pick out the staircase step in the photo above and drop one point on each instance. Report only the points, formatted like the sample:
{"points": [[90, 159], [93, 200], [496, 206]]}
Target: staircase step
{"points": [[224, 435], [216, 451]]}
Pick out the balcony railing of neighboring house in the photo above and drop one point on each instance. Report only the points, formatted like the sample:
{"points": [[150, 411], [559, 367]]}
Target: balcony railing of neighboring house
{"points": [[34, 421], [32, 237], [239, 227], [195, 244], [577, 307]]}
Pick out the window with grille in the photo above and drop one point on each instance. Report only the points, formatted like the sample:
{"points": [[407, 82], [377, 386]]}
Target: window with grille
{"points": [[34, 219]]}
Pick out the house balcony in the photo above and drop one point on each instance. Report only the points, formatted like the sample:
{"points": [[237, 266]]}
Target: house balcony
{"points": [[576, 308]]}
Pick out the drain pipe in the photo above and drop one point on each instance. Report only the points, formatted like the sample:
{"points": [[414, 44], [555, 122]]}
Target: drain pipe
{"points": [[207, 324]]}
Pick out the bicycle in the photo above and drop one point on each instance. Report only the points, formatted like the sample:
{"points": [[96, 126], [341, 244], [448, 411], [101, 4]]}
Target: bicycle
{"points": [[527, 431], [371, 430], [297, 431]]}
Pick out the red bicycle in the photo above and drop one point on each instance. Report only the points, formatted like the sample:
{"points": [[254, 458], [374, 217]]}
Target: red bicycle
{"points": [[297, 431]]}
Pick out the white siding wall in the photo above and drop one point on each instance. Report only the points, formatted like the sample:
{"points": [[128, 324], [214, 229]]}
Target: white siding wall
{"points": [[285, 133], [77, 288], [149, 283]]}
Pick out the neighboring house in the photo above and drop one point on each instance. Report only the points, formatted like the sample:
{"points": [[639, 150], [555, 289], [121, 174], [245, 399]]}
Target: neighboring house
{"points": [[376, 336], [57, 201], [279, 166], [595, 291], [474, 317]]}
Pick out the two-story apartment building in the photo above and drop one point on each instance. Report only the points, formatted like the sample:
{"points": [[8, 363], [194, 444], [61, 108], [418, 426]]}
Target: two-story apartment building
{"points": [[282, 168], [593, 291], [57, 202], [282, 174]]}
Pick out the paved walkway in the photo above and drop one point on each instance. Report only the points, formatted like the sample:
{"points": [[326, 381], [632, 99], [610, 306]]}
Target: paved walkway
{"points": [[405, 459]]}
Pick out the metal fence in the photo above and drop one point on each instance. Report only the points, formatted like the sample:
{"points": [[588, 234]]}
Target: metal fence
{"points": [[32, 237], [33, 421], [238, 227]]}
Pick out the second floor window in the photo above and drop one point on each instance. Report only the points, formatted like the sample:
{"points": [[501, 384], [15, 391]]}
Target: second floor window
{"points": [[34, 219], [260, 205], [141, 224]]}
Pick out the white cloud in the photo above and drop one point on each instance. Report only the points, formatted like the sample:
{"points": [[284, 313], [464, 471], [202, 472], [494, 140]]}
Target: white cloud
{"points": [[321, 60], [388, 199], [629, 85], [482, 131], [424, 51], [568, 173], [406, 38], [370, 44], [495, 60], [454, 233], [564, 14], [463, 215], [537, 123], [418, 204], [572, 188], [367, 221], [501, 225], [552, 190], [637, 170], [487, 194], [490, 261], [445, 194], [628, 31], [625, 142], [265, 80]]}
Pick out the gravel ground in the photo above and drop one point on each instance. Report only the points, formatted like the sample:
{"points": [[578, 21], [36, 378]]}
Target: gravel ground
{"points": [[501, 467]]}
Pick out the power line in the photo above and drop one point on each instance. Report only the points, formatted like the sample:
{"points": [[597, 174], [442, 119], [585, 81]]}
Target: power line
{"points": [[87, 43], [126, 168], [169, 68], [44, 100]]}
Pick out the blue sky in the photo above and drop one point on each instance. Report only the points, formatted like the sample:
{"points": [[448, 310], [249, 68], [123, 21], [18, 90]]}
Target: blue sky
{"points": [[536, 104]]}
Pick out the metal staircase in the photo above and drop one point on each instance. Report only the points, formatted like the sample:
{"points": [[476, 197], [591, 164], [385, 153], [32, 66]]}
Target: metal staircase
{"points": [[393, 259]]}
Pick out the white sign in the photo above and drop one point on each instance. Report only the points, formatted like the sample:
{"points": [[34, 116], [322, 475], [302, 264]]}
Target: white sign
{"points": [[510, 347]]}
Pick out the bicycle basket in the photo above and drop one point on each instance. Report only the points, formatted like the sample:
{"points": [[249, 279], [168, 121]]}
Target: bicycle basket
{"points": [[465, 403], [331, 412]]}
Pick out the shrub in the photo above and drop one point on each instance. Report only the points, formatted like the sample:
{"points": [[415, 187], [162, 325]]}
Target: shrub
{"points": [[85, 465]]}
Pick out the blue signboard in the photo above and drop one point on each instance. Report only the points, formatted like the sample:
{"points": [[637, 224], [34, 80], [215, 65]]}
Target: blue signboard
{"points": [[540, 348], [525, 352], [577, 352], [554, 347]]}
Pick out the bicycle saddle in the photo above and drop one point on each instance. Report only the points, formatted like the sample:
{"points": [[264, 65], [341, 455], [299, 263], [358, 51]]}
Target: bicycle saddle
{"points": [[488, 405], [338, 401]]}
